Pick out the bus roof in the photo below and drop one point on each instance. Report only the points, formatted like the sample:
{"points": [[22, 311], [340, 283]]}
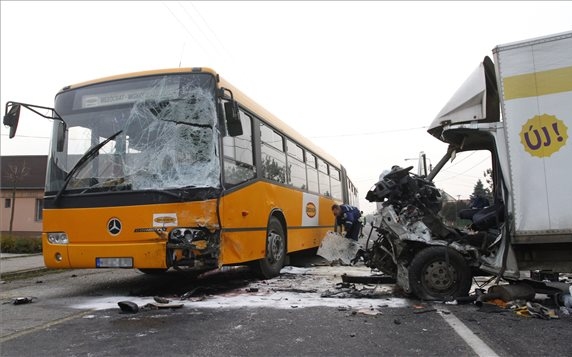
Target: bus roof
{"points": [[242, 98]]}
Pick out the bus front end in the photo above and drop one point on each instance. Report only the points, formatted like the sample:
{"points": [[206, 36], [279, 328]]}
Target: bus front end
{"points": [[133, 177]]}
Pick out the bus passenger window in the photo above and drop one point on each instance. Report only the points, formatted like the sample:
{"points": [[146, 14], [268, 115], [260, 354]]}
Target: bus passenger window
{"points": [[273, 156], [312, 172], [324, 179], [296, 167], [336, 183], [238, 155]]}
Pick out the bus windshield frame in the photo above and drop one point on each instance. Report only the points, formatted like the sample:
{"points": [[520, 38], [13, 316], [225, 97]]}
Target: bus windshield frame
{"points": [[168, 140]]}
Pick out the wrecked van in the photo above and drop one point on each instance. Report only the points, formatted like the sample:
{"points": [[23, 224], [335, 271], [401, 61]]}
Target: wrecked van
{"points": [[519, 109]]}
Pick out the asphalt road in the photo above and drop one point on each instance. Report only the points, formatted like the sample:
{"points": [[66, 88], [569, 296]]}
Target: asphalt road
{"points": [[76, 313]]}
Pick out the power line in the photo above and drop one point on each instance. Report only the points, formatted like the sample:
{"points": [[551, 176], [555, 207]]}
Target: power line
{"points": [[185, 28], [211, 30], [461, 160], [368, 133], [470, 168]]}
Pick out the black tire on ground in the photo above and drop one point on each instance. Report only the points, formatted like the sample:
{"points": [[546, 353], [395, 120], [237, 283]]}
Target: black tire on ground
{"points": [[270, 266], [439, 273]]}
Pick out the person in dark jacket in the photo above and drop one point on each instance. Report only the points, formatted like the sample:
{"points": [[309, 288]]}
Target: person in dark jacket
{"points": [[348, 217]]}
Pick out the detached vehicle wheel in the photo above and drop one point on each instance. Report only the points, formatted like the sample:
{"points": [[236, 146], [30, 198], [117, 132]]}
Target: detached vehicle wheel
{"points": [[437, 273], [272, 263]]}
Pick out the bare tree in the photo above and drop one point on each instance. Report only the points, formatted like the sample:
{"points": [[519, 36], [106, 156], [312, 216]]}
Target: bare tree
{"points": [[14, 175]]}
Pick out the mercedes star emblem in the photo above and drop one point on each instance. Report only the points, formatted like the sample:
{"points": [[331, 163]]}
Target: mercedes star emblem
{"points": [[114, 226]]}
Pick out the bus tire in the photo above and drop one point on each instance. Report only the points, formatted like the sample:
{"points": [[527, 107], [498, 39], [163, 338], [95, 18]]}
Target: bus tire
{"points": [[275, 256], [439, 273]]}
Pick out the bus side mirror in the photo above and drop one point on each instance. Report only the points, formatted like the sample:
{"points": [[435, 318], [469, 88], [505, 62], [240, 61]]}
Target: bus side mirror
{"points": [[233, 124], [12, 117]]}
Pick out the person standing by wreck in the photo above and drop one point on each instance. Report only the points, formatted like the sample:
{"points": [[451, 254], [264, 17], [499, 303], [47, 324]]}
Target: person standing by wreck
{"points": [[348, 217]]}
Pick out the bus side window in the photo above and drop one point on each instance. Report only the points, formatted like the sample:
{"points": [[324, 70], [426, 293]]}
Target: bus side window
{"points": [[238, 154], [324, 178], [296, 167], [336, 183], [312, 172], [273, 155]]}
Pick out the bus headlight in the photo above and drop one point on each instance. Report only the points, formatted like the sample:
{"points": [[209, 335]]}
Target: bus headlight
{"points": [[58, 238]]}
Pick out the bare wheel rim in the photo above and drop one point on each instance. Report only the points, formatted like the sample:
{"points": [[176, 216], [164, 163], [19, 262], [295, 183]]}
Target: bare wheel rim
{"points": [[439, 276], [275, 247]]}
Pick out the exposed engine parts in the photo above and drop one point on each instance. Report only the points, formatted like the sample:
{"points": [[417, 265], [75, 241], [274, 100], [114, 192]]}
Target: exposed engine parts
{"points": [[427, 257]]}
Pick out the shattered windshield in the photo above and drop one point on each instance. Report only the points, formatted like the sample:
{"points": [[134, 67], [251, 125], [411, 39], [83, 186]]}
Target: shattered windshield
{"points": [[168, 135]]}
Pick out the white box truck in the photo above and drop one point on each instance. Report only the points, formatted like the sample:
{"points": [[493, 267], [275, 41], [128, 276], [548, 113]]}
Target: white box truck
{"points": [[519, 108]]}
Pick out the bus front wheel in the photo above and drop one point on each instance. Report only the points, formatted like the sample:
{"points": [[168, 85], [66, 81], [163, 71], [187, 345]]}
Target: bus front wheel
{"points": [[273, 261]]}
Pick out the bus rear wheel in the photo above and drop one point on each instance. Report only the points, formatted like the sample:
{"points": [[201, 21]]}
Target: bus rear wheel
{"points": [[273, 261]]}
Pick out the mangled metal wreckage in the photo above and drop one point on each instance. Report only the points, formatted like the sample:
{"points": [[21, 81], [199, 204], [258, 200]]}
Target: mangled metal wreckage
{"points": [[518, 109], [414, 245]]}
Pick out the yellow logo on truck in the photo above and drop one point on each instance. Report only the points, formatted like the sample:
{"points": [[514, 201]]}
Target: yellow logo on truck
{"points": [[543, 135], [310, 210]]}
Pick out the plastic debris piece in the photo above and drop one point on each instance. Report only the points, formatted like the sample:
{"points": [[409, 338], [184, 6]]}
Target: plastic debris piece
{"points": [[169, 305], [370, 312], [22, 300], [371, 279], [422, 311], [336, 248], [491, 308], [537, 310], [498, 302], [161, 300], [128, 307]]}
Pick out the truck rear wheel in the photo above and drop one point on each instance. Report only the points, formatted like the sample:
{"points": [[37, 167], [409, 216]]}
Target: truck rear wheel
{"points": [[439, 273]]}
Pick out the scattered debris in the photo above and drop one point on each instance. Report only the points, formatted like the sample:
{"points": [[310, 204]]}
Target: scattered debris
{"points": [[128, 307], [371, 279], [424, 310], [23, 300], [296, 290], [522, 299], [190, 293], [161, 300], [335, 248], [168, 305], [371, 311], [251, 290]]}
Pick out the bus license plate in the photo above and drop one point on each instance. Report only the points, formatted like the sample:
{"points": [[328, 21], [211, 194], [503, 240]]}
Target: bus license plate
{"points": [[114, 262]]}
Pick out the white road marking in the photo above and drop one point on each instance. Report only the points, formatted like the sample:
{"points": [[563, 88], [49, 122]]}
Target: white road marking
{"points": [[478, 345]]}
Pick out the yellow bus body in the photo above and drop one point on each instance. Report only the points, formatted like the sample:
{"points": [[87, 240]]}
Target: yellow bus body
{"points": [[240, 216], [244, 215], [89, 238]]}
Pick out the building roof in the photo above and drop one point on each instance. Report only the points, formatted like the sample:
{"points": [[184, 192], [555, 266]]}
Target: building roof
{"points": [[29, 171]]}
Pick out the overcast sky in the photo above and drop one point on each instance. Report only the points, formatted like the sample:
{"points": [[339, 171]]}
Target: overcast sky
{"points": [[363, 80]]}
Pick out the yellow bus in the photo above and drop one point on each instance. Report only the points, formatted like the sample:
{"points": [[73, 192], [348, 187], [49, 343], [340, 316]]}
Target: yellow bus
{"points": [[178, 169]]}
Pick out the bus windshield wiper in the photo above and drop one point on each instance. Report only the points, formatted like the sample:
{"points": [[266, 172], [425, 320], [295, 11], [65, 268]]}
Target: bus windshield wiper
{"points": [[87, 157]]}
